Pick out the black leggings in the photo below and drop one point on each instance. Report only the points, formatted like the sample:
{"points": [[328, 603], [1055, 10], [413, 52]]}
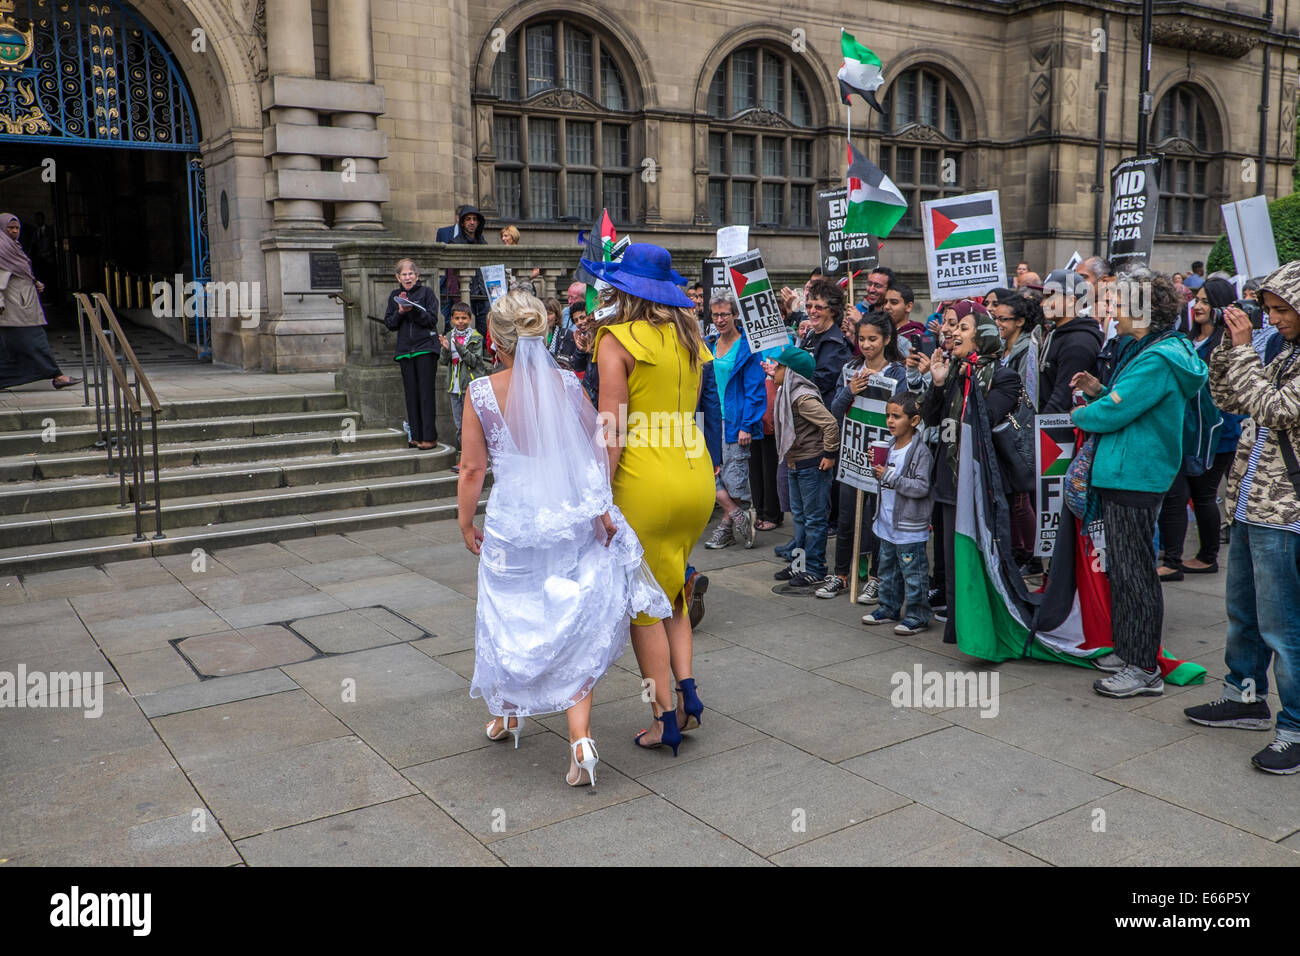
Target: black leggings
{"points": [[763, 460], [949, 572], [1137, 606], [870, 544], [1173, 513], [418, 382]]}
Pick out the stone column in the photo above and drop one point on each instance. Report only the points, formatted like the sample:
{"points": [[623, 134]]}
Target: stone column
{"points": [[290, 52], [352, 60]]}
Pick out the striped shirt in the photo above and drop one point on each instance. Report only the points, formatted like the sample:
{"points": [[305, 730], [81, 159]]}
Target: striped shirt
{"points": [[1243, 491]]}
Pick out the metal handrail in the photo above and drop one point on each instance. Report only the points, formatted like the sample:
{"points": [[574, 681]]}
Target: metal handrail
{"points": [[119, 412]]}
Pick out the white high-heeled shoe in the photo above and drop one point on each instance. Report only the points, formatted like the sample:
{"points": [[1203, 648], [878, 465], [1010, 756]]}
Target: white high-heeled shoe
{"points": [[588, 762], [507, 729]]}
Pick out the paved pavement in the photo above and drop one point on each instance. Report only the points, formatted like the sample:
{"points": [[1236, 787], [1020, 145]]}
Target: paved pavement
{"points": [[307, 703]]}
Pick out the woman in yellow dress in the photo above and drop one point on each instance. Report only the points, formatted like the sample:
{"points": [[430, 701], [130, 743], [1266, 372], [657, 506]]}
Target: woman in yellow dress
{"points": [[649, 356]]}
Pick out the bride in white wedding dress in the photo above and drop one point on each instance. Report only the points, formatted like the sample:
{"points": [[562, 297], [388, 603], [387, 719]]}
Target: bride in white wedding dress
{"points": [[560, 571]]}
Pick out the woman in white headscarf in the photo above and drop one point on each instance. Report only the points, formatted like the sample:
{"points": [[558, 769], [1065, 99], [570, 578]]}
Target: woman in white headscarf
{"points": [[560, 571], [25, 354]]}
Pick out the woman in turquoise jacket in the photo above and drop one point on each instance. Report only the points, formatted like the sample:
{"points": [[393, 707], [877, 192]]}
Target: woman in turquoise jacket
{"points": [[1138, 419]]}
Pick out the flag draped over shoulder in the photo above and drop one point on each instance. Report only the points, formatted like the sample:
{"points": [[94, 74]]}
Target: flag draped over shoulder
{"points": [[996, 618], [860, 72], [875, 204]]}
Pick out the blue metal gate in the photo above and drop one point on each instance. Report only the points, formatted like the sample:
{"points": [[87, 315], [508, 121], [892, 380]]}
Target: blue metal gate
{"points": [[94, 73]]}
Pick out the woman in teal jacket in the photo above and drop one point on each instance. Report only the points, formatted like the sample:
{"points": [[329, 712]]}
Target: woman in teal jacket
{"points": [[1139, 421]]}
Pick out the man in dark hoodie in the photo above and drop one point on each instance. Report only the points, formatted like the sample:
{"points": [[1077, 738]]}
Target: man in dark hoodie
{"points": [[1072, 346], [469, 230]]}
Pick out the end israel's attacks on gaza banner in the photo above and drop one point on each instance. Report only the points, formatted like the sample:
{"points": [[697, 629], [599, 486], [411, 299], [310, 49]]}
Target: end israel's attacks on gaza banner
{"points": [[1134, 202], [760, 314], [963, 245]]}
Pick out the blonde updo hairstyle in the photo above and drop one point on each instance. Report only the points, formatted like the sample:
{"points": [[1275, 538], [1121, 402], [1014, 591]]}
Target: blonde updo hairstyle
{"points": [[516, 315]]}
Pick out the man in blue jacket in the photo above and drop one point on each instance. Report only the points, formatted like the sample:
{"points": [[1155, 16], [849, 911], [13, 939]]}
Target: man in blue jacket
{"points": [[738, 378]]}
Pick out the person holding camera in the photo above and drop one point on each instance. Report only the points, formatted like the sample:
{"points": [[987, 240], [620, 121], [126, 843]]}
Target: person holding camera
{"points": [[1262, 591], [1207, 315]]}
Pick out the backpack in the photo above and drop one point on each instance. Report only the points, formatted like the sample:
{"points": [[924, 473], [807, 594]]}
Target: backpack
{"points": [[1202, 423]]}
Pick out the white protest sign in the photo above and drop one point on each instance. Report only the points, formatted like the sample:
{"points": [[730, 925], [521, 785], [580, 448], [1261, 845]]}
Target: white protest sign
{"points": [[494, 280], [1074, 261], [1053, 452], [963, 245], [864, 423], [732, 241], [1250, 234], [760, 314]]}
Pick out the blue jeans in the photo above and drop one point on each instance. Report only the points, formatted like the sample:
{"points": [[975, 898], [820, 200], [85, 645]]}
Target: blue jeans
{"points": [[904, 575], [1263, 598], [810, 501]]}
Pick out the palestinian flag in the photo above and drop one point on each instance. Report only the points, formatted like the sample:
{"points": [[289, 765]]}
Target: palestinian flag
{"points": [[960, 224], [750, 282], [600, 244], [995, 617], [875, 204], [860, 72]]}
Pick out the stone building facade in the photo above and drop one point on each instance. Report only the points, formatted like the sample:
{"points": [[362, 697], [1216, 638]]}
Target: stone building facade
{"points": [[318, 121]]}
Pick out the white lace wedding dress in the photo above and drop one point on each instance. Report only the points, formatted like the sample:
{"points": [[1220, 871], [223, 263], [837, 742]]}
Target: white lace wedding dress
{"points": [[554, 603]]}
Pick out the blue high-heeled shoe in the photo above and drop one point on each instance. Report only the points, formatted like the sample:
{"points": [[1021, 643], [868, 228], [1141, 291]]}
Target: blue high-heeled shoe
{"points": [[671, 737], [691, 704]]}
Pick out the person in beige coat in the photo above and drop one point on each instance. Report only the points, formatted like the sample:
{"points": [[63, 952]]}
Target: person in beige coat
{"points": [[25, 354]]}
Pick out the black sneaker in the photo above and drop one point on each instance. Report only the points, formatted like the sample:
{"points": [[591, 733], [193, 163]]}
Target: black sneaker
{"points": [[937, 598], [785, 574], [803, 580], [1281, 756], [940, 614], [1226, 712]]}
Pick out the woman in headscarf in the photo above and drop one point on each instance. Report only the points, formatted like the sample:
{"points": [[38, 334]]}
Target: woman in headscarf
{"points": [[976, 349], [25, 354]]}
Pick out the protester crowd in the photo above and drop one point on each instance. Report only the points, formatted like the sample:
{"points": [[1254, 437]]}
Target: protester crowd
{"points": [[1133, 359]]}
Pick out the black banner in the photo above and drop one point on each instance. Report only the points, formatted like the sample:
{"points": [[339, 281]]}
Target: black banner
{"points": [[1134, 202], [839, 250], [714, 276]]}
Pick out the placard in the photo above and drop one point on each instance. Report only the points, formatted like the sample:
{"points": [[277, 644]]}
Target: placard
{"points": [[713, 276], [760, 313], [494, 280], [963, 245], [841, 252], [1250, 234], [1054, 450], [1134, 202], [732, 241], [864, 422]]}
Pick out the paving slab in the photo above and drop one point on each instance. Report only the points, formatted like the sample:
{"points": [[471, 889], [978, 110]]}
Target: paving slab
{"points": [[1211, 774], [281, 611], [497, 792], [326, 547], [399, 592], [144, 632], [11, 590], [346, 569], [193, 565], [346, 631], [139, 573], [647, 831], [1128, 828], [268, 791], [218, 690], [51, 736], [113, 808], [840, 722], [247, 728], [44, 585], [1074, 729], [770, 796], [739, 679], [728, 607], [147, 672], [812, 644], [381, 540], [267, 584], [986, 784], [912, 835], [884, 673], [447, 643], [410, 831], [256, 557], [249, 649]]}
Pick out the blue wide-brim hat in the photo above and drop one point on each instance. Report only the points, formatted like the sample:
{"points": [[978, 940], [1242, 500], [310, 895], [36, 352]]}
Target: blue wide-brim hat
{"points": [[645, 271]]}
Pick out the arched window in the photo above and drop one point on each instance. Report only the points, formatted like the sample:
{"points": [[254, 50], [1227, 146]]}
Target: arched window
{"points": [[760, 141], [563, 133], [923, 111], [1185, 131]]}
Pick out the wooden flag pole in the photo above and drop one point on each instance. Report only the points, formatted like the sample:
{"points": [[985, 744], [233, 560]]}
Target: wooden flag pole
{"points": [[857, 546]]}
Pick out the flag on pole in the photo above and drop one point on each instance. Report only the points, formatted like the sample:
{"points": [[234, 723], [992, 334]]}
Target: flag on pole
{"points": [[860, 72], [875, 204], [601, 245]]}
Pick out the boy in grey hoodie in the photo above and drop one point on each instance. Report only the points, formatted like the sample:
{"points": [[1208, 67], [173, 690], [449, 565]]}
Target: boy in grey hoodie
{"points": [[903, 520]]}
